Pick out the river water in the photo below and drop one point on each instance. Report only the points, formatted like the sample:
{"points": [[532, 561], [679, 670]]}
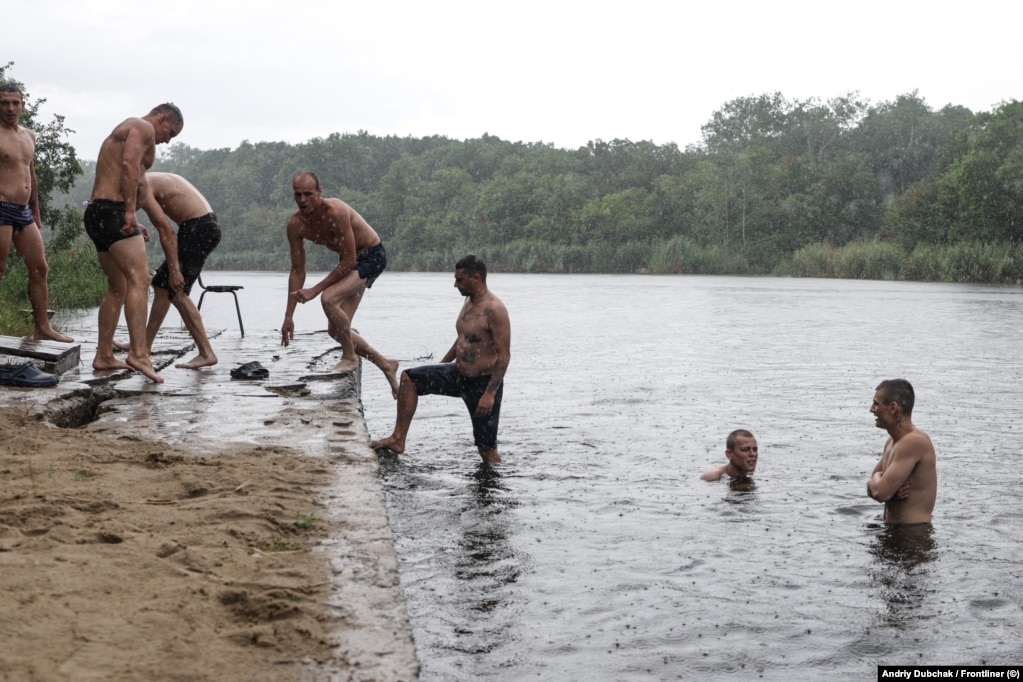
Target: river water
{"points": [[594, 552]]}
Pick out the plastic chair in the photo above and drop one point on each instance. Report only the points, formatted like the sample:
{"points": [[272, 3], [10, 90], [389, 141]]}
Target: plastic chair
{"points": [[222, 289]]}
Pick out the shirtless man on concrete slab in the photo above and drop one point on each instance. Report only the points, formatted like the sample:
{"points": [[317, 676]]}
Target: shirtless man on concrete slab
{"points": [[124, 157], [167, 197], [336, 225]]}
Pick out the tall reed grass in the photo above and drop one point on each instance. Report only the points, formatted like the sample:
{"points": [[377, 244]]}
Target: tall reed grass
{"points": [[961, 262], [75, 282]]}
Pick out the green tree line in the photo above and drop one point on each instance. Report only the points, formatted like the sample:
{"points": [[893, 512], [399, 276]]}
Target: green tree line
{"points": [[893, 190], [835, 188]]}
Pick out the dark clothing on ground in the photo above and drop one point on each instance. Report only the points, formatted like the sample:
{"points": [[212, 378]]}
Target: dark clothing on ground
{"points": [[444, 379]]}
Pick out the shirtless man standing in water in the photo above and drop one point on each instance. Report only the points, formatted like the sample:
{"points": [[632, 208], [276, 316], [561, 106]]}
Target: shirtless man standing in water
{"points": [[336, 225], [473, 369], [906, 477], [124, 157], [19, 208], [167, 197]]}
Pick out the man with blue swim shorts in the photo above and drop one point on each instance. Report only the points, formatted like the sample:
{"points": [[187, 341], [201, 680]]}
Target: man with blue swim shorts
{"points": [[166, 197], [19, 208], [473, 369], [336, 225]]}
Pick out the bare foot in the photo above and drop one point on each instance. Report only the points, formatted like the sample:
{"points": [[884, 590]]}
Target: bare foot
{"points": [[51, 335], [101, 364], [392, 443], [123, 347], [390, 370], [145, 367], [346, 365], [491, 457], [198, 361]]}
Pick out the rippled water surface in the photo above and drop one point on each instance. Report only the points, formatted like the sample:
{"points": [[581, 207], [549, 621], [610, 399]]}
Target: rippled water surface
{"points": [[595, 553]]}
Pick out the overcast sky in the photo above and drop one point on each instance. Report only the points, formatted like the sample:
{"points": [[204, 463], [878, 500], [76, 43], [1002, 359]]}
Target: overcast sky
{"points": [[556, 71]]}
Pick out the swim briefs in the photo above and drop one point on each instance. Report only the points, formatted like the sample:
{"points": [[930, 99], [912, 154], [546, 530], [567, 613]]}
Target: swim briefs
{"points": [[17, 216], [444, 379], [197, 237], [371, 263], [103, 222]]}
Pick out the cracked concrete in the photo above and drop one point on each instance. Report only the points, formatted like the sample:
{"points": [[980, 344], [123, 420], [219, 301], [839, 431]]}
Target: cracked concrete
{"points": [[206, 412]]}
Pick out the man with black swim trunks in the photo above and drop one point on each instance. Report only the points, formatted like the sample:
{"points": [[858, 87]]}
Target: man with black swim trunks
{"points": [[124, 157], [336, 225], [167, 197], [19, 208], [473, 369]]}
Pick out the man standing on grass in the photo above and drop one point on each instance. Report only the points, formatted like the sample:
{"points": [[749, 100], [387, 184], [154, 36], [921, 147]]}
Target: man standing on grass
{"points": [[19, 208]]}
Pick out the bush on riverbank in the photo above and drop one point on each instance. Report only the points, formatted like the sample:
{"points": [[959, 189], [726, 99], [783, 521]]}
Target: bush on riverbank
{"points": [[962, 262]]}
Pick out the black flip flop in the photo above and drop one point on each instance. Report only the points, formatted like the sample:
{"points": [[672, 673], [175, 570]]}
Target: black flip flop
{"points": [[27, 376], [250, 371]]}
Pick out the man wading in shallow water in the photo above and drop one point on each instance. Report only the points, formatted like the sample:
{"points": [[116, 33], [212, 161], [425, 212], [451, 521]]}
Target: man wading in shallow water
{"points": [[473, 369], [905, 478]]}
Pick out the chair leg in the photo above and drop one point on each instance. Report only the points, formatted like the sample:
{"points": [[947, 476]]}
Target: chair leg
{"points": [[239, 311], [199, 307]]}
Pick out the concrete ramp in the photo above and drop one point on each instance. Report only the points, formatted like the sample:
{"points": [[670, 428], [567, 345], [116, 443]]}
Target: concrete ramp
{"points": [[56, 357]]}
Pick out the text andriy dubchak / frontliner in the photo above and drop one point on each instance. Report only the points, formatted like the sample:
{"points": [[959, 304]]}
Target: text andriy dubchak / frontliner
{"points": [[959, 673]]}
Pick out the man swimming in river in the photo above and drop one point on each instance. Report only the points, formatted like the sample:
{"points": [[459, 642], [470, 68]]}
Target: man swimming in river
{"points": [[742, 453]]}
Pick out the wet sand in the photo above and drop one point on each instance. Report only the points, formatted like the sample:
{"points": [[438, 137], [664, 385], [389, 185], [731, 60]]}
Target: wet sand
{"points": [[196, 529]]}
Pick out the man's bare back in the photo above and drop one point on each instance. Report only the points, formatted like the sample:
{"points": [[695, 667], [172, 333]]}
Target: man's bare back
{"points": [[124, 157], [178, 198]]}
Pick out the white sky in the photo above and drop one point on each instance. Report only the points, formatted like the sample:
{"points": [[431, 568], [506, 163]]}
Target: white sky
{"points": [[556, 71]]}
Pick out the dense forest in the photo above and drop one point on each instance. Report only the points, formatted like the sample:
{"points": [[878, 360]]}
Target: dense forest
{"points": [[836, 188]]}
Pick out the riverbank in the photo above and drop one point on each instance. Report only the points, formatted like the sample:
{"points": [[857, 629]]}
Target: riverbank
{"points": [[203, 528]]}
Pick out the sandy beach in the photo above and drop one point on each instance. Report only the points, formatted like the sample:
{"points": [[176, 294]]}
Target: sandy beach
{"points": [[127, 557]]}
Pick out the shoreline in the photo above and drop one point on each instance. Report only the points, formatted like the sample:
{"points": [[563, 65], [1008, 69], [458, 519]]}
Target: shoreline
{"points": [[134, 548]]}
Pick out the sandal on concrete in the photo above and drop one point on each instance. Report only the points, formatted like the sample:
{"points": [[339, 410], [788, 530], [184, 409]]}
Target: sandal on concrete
{"points": [[249, 371], [27, 376]]}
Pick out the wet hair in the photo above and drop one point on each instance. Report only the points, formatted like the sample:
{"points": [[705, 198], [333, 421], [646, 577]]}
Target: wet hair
{"points": [[473, 264], [730, 440], [171, 111], [306, 174], [12, 86], [898, 391]]}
